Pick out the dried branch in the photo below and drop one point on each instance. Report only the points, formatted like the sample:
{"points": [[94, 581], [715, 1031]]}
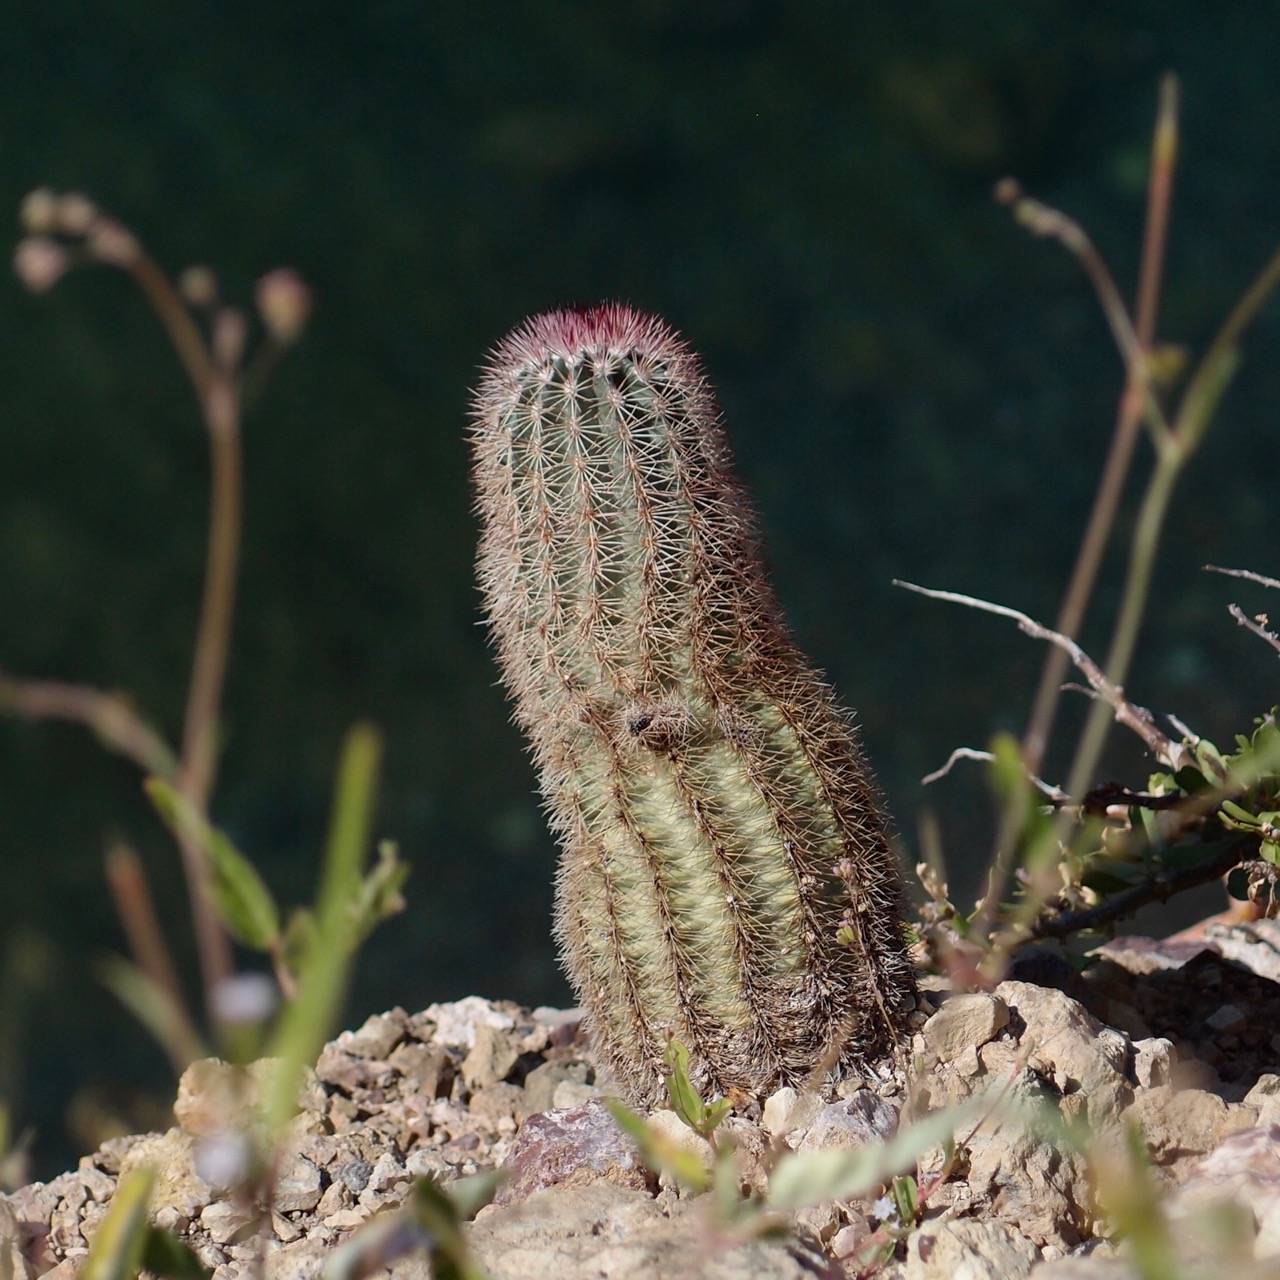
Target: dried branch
{"points": [[1056, 794], [1157, 889], [109, 716], [1247, 574], [1136, 718], [1257, 626]]}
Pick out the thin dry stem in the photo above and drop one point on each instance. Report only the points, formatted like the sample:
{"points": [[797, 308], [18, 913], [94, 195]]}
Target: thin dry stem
{"points": [[1257, 627], [132, 897], [1054, 793], [1136, 718], [1247, 574], [109, 716]]}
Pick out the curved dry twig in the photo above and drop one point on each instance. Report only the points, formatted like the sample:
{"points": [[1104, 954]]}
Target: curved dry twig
{"points": [[109, 716], [1247, 574], [1055, 794], [1156, 889], [1133, 717], [1256, 625]]}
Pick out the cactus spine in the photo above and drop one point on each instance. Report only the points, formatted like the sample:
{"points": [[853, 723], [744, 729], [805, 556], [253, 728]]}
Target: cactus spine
{"points": [[726, 876]]}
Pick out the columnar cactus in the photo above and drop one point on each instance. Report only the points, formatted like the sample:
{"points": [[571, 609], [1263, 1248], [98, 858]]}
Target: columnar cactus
{"points": [[726, 878]]}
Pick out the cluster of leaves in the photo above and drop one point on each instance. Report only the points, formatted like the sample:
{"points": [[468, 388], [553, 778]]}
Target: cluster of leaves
{"points": [[1216, 814]]}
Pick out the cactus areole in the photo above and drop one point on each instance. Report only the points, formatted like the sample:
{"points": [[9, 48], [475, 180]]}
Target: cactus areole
{"points": [[726, 877]]}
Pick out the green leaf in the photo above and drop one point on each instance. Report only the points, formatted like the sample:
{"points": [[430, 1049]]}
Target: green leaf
{"points": [[163, 1254], [1241, 815], [309, 1017], [1270, 851], [906, 1197], [243, 900], [685, 1100], [115, 1253], [380, 896]]}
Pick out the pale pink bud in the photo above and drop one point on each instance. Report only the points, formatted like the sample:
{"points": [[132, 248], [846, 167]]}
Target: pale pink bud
{"points": [[76, 214], [38, 212], [199, 286], [40, 263], [284, 303]]}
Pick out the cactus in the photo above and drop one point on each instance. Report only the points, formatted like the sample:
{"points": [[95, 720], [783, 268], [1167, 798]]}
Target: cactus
{"points": [[726, 877]]}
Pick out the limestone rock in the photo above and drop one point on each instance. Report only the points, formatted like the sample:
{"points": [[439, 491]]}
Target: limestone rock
{"points": [[1181, 1124], [1243, 1171], [1072, 1048], [491, 1058], [299, 1187], [178, 1186], [585, 1233], [1030, 1182], [854, 1122], [969, 1249], [963, 1022], [1265, 1098]]}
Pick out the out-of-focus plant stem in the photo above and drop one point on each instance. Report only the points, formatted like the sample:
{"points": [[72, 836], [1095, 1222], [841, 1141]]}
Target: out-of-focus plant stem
{"points": [[1129, 414], [1136, 404], [221, 407]]}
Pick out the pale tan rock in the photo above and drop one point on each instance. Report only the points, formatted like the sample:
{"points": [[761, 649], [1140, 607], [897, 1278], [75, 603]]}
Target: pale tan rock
{"points": [[298, 1187], [1153, 1061], [965, 1021], [1066, 1044], [571, 1093], [601, 1231], [1181, 1124], [854, 1122], [671, 1129], [1264, 1097], [1030, 1183], [491, 1057], [786, 1110], [12, 1260], [177, 1185], [220, 1097], [227, 1222], [969, 1249]]}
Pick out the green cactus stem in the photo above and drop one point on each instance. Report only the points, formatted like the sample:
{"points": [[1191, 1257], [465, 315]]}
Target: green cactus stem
{"points": [[726, 876]]}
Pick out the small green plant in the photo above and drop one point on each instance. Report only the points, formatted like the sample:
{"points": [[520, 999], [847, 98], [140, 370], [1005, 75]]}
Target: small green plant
{"points": [[310, 952], [1076, 858]]}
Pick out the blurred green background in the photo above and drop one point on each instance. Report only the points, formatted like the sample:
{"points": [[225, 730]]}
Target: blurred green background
{"points": [[914, 388]]}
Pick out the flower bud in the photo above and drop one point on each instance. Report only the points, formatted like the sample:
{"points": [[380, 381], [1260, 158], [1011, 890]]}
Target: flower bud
{"points": [[38, 212], [76, 214], [284, 303], [40, 263], [199, 286]]}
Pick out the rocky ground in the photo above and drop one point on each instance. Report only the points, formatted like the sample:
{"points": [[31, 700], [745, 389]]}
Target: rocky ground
{"points": [[1183, 1038]]}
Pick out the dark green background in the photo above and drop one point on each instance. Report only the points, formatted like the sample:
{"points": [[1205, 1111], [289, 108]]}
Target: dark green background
{"points": [[914, 388]]}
